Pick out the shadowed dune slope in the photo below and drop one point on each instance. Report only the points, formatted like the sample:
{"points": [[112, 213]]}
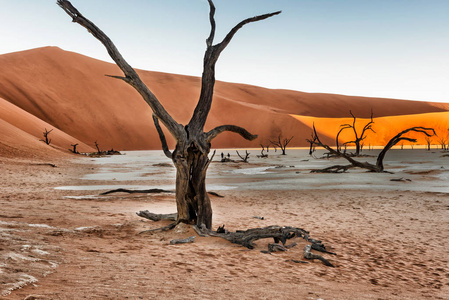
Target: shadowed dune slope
{"points": [[70, 92], [21, 132]]}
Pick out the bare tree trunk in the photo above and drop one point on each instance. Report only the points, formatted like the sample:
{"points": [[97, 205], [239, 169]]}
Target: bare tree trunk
{"points": [[193, 144], [192, 201]]}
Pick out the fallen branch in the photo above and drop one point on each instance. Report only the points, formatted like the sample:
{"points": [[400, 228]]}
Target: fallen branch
{"points": [[165, 228], [334, 169], [150, 191], [183, 241], [309, 255], [44, 164], [402, 179], [157, 217]]}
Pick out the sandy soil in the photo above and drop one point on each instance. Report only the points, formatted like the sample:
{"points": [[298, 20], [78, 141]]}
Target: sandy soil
{"points": [[390, 244]]}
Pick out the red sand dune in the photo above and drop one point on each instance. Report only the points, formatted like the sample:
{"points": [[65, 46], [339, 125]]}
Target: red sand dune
{"points": [[69, 92]]}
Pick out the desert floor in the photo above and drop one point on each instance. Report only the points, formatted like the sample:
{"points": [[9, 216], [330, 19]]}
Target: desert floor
{"points": [[60, 240]]}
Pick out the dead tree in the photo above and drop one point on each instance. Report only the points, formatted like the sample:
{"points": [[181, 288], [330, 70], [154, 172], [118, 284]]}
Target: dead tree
{"points": [[357, 138], [46, 133], [428, 142], [244, 159], [281, 143], [193, 145], [262, 154], [443, 142], [98, 147], [74, 148], [378, 167], [312, 144]]}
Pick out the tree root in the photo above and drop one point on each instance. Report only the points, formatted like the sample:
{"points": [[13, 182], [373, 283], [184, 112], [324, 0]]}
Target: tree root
{"points": [[279, 234], [246, 238]]}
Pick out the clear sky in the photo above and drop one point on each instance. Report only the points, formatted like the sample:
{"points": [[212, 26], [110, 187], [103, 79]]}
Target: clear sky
{"points": [[382, 48]]}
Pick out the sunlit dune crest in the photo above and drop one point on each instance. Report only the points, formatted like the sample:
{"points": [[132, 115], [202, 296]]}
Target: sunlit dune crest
{"points": [[385, 127]]}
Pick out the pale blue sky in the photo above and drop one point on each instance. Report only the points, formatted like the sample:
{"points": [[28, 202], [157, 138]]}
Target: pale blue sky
{"points": [[383, 48]]}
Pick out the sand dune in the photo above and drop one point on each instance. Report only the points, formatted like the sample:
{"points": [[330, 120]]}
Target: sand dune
{"points": [[385, 127], [21, 133], [69, 91]]}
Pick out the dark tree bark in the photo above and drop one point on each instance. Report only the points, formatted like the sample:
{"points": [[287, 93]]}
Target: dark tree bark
{"points": [[190, 156], [378, 167]]}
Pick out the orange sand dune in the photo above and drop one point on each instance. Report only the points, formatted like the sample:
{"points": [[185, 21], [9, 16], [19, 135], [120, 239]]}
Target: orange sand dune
{"points": [[385, 127], [70, 92]]}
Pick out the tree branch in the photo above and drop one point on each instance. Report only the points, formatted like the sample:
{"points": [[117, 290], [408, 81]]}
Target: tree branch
{"points": [[232, 128], [221, 46], [134, 79], [210, 39], [162, 137], [211, 56]]}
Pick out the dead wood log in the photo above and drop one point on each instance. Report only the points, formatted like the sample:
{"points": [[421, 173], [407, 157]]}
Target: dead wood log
{"points": [[44, 164], [309, 255], [275, 247], [190, 239], [334, 169], [150, 191], [165, 228], [402, 179], [215, 194], [279, 234], [247, 237], [156, 217]]}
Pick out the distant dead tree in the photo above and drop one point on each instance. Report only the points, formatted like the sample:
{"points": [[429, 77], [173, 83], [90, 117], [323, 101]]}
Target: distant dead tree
{"points": [[428, 142], [244, 159], [262, 154], [312, 144], [443, 142], [46, 133], [74, 148], [358, 139], [378, 167], [98, 147], [281, 143]]}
